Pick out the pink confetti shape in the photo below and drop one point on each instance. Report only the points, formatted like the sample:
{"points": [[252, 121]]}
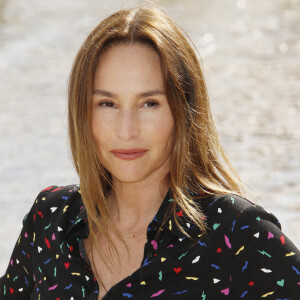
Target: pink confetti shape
{"points": [[225, 291], [11, 262], [170, 246], [270, 235], [158, 293], [26, 235], [128, 284], [154, 244], [227, 241], [298, 283], [53, 287], [53, 236], [40, 281]]}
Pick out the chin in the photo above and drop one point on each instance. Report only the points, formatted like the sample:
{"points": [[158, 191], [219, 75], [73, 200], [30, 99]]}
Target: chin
{"points": [[127, 178]]}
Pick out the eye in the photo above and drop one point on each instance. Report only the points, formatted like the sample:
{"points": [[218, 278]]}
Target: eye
{"points": [[151, 103], [106, 104]]}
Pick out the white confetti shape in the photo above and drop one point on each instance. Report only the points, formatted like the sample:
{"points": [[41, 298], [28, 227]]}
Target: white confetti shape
{"points": [[219, 210], [59, 229], [216, 280], [196, 259], [21, 289], [40, 249], [53, 209], [188, 225], [266, 270], [17, 261], [87, 278], [256, 235], [180, 239]]}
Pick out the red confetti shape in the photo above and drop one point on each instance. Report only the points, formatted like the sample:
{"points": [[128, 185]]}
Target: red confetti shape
{"points": [[71, 248], [40, 213], [33, 217], [177, 270], [11, 290], [57, 190], [219, 250], [179, 214], [47, 243], [282, 240], [251, 283], [67, 265], [46, 189]]}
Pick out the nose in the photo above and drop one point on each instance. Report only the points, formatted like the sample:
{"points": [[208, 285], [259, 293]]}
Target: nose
{"points": [[127, 124]]}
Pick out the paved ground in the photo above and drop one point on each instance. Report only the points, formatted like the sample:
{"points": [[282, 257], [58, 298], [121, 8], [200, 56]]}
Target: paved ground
{"points": [[250, 52]]}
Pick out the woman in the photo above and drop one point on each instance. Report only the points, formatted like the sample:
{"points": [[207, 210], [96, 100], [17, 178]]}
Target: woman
{"points": [[159, 212]]}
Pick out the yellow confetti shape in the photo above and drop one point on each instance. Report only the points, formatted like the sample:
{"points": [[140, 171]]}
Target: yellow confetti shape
{"points": [[79, 191], [241, 249], [162, 259], [65, 208], [267, 294], [25, 270], [290, 254], [57, 256], [77, 274], [45, 278], [192, 278], [44, 198], [170, 224], [7, 276], [143, 283], [34, 236]]}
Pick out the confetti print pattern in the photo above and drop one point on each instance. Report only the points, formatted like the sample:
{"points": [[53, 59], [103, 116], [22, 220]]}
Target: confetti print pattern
{"points": [[243, 255]]}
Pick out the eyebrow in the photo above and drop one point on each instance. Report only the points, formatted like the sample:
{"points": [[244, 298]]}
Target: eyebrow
{"points": [[141, 95]]}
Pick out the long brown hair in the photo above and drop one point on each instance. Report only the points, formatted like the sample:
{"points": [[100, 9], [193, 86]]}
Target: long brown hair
{"points": [[198, 161]]}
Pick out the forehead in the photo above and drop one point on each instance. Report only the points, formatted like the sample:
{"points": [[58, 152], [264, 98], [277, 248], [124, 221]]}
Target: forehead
{"points": [[129, 64]]}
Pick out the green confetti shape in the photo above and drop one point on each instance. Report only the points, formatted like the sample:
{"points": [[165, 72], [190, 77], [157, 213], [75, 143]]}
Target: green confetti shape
{"points": [[160, 275]]}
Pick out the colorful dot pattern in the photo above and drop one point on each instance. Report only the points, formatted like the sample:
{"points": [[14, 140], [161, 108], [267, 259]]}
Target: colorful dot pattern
{"points": [[243, 255]]}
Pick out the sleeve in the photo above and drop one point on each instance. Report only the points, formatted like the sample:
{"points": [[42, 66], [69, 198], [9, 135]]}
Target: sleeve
{"points": [[18, 281], [265, 263]]}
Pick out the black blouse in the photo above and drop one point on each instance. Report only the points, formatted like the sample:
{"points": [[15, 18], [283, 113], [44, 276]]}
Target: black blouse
{"points": [[243, 255]]}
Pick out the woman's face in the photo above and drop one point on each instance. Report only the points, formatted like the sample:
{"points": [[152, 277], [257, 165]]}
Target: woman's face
{"points": [[131, 114]]}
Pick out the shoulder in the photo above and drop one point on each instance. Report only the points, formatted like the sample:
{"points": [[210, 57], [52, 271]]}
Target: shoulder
{"points": [[55, 201], [231, 213], [58, 196]]}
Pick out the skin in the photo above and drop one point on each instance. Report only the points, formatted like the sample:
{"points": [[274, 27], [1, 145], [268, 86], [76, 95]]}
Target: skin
{"points": [[127, 120], [123, 118]]}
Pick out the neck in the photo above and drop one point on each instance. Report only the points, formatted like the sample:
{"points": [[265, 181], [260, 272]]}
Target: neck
{"points": [[133, 205]]}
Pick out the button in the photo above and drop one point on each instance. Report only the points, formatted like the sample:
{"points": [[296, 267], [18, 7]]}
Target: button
{"points": [[149, 255]]}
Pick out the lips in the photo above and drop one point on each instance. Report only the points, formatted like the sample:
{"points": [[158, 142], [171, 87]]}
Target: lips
{"points": [[129, 154]]}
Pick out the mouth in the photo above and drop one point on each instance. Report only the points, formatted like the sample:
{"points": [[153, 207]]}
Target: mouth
{"points": [[129, 154]]}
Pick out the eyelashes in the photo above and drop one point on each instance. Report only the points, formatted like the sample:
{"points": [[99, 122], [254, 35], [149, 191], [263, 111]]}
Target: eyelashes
{"points": [[111, 104]]}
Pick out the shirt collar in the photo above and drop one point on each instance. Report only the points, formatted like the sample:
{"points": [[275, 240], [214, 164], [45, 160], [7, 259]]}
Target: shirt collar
{"points": [[164, 220]]}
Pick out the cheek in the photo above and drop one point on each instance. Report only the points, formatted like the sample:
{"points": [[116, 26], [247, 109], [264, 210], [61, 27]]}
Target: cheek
{"points": [[99, 131], [164, 132]]}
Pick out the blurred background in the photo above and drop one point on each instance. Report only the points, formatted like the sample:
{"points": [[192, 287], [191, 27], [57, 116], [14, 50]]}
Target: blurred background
{"points": [[251, 56]]}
